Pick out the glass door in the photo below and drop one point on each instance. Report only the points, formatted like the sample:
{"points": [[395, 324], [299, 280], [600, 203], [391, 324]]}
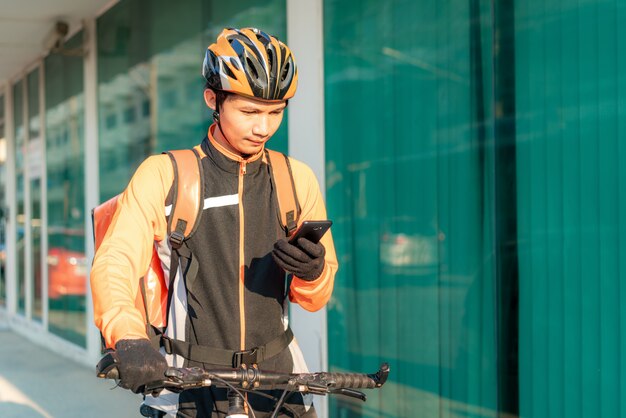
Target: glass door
{"points": [[20, 195], [64, 187], [28, 155], [34, 166]]}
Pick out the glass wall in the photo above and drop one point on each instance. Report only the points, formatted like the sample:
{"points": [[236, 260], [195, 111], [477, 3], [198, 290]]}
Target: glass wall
{"points": [[3, 203], [479, 212], [20, 156], [65, 147], [571, 177], [150, 85], [409, 151], [35, 170]]}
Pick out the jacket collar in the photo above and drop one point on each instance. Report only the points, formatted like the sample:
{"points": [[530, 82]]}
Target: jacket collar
{"points": [[226, 159]]}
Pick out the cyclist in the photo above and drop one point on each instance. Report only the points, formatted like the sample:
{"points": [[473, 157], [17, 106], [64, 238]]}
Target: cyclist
{"points": [[229, 292]]}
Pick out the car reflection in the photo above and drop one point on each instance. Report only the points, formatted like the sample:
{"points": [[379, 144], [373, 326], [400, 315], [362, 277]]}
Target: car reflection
{"points": [[67, 277], [406, 251]]}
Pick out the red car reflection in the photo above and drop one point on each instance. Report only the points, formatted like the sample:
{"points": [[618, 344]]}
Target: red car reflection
{"points": [[67, 273]]}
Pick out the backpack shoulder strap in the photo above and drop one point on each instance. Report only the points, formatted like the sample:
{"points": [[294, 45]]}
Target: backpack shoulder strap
{"points": [[282, 180], [188, 189]]}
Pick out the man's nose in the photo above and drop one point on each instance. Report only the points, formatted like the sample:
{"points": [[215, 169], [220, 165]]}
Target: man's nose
{"points": [[261, 126]]}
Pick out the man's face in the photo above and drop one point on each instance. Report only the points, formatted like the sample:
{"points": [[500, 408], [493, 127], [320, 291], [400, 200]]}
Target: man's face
{"points": [[246, 123]]}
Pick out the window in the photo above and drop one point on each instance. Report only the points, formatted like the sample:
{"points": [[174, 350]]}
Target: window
{"points": [[66, 260]]}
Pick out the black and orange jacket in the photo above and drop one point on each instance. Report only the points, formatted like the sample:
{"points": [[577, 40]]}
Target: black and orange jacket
{"points": [[236, 299]]}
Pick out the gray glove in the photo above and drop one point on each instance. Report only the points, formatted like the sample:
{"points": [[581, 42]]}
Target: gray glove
{"points": [[139, 364], [305, 259]]}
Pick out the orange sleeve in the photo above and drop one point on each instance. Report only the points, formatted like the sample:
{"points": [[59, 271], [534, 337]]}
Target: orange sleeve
{"points": [[126, 250], [313, 295]]}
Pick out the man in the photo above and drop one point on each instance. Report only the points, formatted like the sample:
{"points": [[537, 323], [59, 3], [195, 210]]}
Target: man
{"points": [[235, 299]]}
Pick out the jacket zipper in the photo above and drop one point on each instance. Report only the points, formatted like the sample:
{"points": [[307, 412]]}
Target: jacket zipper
{"points": [[242, 312]]}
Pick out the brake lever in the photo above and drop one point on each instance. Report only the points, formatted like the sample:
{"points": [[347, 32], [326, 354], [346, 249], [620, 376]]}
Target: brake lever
{"points": [[180, 379], [313, 388], [349, 392], [323, 390], [154, 388], [187, 375], [107, 366]]}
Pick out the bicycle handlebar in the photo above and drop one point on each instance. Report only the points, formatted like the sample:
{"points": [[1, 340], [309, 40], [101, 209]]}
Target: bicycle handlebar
{"points": [[251, 378]]}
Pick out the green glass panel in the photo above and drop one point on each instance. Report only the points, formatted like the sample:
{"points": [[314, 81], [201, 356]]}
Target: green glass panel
{"points": [[34, 128], [409, 170], [65, 148], [619, 90], [20, 150], [150, 87], [608, 237], [35, 171], [570, 111]]}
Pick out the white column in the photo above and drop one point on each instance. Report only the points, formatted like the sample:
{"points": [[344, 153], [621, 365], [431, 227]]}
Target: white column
{"points": [[305, 37], [92, 182]]}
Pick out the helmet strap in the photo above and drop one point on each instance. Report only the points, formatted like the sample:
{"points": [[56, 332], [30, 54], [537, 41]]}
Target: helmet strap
{"points": [[216, 119]]}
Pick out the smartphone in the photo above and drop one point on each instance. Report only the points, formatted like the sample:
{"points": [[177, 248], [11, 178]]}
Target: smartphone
{"points": [[311, 230]]}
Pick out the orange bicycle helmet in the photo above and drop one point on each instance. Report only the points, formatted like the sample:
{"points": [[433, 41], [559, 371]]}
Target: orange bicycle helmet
{"points": [[251, 63]]}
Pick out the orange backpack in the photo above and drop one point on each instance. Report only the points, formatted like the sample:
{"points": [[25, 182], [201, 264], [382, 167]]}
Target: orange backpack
{"points": [[153, 299]]}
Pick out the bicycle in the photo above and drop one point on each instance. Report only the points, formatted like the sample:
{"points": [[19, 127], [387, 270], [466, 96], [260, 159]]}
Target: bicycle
{"points": [[250, 379]]}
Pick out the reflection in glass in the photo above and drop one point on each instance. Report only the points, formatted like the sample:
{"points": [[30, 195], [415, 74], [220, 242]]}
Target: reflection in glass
{"points": [[34, 167], [150, 87], [407, 175], [35, 226], [20, 150], [571, 178], [66, 261]]}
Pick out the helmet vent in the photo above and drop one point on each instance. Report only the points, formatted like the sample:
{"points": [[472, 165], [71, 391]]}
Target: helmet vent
{"points": [[252, 68], [228, 71], [285, 72], [262, 39]]}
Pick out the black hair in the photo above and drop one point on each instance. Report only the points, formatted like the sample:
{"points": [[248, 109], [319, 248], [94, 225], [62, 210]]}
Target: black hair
{"points": [[220, 96]]}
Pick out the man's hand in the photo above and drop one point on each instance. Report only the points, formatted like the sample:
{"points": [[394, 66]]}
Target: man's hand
{"points": [[305, 259], [139, 364]]}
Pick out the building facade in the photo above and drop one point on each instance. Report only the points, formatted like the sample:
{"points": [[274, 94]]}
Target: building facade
{"points": [[471, 158]]}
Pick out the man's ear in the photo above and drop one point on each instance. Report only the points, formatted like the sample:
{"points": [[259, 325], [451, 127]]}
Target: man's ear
{"points": [[210, 98]]}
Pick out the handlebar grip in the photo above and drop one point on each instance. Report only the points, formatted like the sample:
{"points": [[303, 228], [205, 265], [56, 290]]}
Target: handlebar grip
{"points": [[358, 380], [350, 380]]}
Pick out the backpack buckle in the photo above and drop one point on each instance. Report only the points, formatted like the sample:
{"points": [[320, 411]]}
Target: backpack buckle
{"points": [[246, 357], [176, 239], [291, 223]]}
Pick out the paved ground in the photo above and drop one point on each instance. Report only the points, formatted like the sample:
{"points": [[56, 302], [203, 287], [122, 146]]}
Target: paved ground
{"points": [[36, 383]]}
